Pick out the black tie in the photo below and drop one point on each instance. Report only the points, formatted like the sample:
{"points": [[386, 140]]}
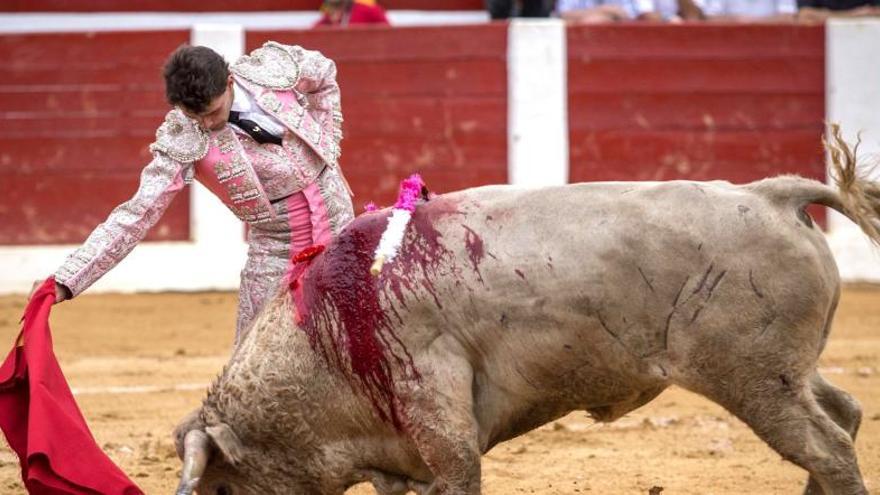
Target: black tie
{"points": [[259, 134]]}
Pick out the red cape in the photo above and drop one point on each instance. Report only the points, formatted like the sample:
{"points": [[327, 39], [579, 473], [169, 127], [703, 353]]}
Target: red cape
{"points": [[41, 420]]}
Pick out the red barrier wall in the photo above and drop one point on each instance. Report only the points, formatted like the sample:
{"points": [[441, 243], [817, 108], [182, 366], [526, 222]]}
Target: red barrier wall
{"points": [[215, 6], [77, 112], [737, 102], [646, 102], [430, 100]]}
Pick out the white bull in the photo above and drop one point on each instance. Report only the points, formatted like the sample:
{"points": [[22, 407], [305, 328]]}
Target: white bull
{"points": [[508, 308]]}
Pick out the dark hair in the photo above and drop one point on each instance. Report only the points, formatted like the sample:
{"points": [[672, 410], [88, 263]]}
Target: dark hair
{"points": [[194, 76]]}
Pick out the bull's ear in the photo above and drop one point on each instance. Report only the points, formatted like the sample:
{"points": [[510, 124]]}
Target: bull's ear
{"points": [[191, 421], [226, 441]]}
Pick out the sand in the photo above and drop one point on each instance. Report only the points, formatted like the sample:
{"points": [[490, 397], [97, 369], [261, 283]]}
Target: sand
{"points": [[138, 363]]}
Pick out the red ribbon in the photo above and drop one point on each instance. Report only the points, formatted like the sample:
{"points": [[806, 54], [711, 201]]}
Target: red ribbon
{"points": [[308, 253], [301, 261]]}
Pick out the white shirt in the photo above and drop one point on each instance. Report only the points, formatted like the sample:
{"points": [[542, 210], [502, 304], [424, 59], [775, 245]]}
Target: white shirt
{"points": [[750, 8], [633, 8], [243, 102], [666, 8]]}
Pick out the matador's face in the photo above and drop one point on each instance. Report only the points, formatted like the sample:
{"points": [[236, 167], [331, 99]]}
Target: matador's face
{"points": [[215, 116]]}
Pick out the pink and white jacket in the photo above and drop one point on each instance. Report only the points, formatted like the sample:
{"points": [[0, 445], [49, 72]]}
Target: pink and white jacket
{"points": [[296, 86]]}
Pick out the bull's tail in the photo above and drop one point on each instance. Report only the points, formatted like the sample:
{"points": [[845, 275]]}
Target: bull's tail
{"points": [[855, 196]]}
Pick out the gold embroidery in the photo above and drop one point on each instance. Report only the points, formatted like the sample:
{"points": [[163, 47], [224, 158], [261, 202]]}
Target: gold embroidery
{"points": [[225, 140], [336, 199], [311, 130], [181, 138], [293, 116], [239, 165], [223, 170], [270, 101], [272, 66]]}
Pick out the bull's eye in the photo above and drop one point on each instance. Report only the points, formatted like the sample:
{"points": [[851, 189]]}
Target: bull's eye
{"points": [[224, 490]]}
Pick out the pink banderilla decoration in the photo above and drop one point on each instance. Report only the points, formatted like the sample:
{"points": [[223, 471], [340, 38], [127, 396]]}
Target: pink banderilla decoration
{"points": [[392, 238]]}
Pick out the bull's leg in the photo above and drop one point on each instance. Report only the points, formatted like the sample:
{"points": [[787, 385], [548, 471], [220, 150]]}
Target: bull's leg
{"points": [[386, 484], [441, 421], [793, 423], [389, 484], [842, 408]]}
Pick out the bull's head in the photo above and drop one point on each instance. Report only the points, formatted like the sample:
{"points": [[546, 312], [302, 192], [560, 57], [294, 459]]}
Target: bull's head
{"points": [[199, 446]]}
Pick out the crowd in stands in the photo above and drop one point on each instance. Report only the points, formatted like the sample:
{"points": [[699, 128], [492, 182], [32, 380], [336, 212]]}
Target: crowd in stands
{"points": [[600, 11], [348, 12]]}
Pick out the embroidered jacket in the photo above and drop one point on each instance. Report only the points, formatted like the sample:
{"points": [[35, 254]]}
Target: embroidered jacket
{"points": [[296, 86]]}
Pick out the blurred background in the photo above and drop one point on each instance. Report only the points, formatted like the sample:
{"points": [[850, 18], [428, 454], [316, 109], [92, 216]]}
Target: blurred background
{"points": [[465, 92]]}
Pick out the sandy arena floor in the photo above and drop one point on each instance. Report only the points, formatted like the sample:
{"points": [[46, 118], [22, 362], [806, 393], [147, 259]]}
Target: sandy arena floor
{"points": [[138, 363]]}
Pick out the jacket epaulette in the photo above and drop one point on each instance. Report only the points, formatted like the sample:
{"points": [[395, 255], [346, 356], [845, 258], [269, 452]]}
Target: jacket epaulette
{"points": [[181, 138], [272, 66]]}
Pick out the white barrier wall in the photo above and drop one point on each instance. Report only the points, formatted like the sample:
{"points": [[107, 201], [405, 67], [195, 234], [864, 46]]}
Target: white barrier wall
{"points": [[852, 99], [537, 100]]}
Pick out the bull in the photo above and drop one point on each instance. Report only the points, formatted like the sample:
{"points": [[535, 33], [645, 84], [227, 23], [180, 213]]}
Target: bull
{"points": [[507, 308]]}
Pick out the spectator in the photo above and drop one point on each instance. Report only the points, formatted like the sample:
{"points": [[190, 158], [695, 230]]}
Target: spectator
{"points": [[346, 12], [595, 11], [599, 11], [665, 10], [747, 10], [688, 10], [820, 10], [503, 9]]}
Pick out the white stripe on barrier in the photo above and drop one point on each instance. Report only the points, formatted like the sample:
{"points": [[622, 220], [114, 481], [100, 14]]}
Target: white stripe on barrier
{"points": [[537, 102], [851, 95]]}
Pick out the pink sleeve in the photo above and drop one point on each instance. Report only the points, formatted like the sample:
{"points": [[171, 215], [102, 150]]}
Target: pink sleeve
{"points": [[127, 224], [317, 82]]}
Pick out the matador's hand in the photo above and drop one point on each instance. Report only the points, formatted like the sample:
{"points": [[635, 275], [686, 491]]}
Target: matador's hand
{"points": [[62, 293]]}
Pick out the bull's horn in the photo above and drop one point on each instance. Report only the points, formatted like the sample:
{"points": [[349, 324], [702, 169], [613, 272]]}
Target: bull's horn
{"points": [[196, 445]]}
